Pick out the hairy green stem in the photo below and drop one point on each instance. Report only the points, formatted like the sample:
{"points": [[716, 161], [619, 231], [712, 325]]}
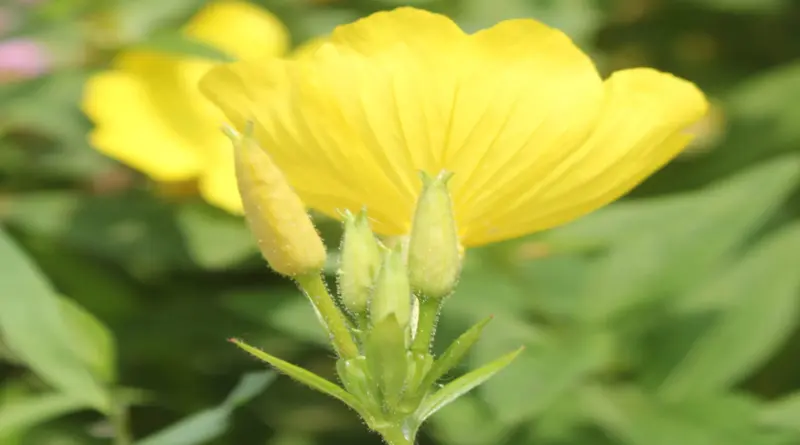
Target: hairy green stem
{"points": [[333, 319], [426, 324], [394, 436]]}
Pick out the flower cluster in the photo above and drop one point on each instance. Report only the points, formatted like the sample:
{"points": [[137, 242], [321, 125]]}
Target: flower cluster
{"points": [[511, 129]]}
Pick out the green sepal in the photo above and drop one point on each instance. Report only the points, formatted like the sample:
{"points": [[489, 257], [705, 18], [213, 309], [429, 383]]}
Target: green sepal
{"points": [[462, 385], [386, 358], [357, 381], [419, 364], [305, 377], [455, 352]]}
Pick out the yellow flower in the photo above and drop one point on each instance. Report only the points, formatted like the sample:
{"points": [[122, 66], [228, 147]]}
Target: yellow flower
{"points": [[534, 136], [149, 114]]}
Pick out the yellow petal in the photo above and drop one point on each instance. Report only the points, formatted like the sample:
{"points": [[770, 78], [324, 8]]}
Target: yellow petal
{"points": [[641, 129], [241, 29], [218, 181], [131, 131], [406, 90], [148, 114]]}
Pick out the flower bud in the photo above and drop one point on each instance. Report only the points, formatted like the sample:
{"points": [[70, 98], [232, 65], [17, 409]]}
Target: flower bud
{"points": [[359, 264], [276, 215], [392, 294], [434, 259]]}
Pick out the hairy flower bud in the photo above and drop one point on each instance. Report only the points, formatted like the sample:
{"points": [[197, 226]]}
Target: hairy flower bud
{"points": [[359, 264], [276, 215], [392, 294], [434, 259]]}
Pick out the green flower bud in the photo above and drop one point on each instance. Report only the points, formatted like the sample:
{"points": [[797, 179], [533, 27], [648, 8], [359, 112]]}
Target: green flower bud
{"points": [[434, 259], [392, 294], [359, 264]]}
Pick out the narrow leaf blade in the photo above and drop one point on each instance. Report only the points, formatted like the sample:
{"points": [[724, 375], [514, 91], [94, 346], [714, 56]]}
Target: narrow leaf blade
{"points": [[208, 424], [21, 414], [463, 384], [303, 376], [455, 353]]}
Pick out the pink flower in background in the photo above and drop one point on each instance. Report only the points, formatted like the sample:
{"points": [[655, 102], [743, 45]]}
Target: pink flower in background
{"points": [[22, 58]]}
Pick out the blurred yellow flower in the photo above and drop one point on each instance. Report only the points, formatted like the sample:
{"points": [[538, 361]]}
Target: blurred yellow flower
{"points": [[533, 134], [149, 114]]}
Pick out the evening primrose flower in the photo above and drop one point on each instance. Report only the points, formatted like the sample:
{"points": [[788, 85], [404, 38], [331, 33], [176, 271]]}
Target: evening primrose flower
{"points": [[149, 114], [533, 135]]}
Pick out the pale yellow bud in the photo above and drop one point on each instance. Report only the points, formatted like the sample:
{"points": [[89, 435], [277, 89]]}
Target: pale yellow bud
{"points": [[276, 215], [434, 252]]}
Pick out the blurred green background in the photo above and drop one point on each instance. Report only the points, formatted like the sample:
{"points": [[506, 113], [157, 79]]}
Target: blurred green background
{"points": [[668, 318]]}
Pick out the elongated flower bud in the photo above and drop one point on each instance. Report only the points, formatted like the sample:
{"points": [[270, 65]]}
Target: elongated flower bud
{"points": [[434, 261], [392, 294], [276, 215], [360, 262]]}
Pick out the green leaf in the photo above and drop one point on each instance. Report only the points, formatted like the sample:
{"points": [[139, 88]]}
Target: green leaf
{"points": [[25, 412], [210, 424], [544, 374], [674, 257], [783, 413], [282, 308], [91, 340], [636, 419], [303, 376], [760, 312], [462, 385], [466, 421], [215, 239], [33, 326], [250, 385], [456, 352]]}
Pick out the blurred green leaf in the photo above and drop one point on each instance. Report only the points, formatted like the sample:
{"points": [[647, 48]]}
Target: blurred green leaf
{"points": [[684, 250], [24, 412], [462, 385], [91, 340], [215, 239], [466, 421], [33, 326], [209, 424], [133, 21], [180, 44], [740, 6], [133, 228], [546, 372], [637, 419], [782, 413], [761, 297], [282, 308]]}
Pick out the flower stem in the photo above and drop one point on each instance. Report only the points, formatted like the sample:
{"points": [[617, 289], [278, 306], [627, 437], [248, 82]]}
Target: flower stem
{"points": [[331, 316], [395, 436], [426, 325], [119, 420]]}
